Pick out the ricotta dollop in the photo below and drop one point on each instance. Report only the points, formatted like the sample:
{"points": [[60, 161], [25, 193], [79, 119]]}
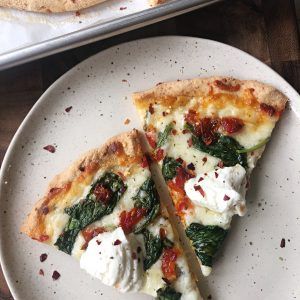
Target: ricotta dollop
{"points": [[112, 257], [222, 190]]}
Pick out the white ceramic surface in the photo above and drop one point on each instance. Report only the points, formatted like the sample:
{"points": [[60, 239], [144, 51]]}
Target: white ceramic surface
{"points": [[252, 264]]}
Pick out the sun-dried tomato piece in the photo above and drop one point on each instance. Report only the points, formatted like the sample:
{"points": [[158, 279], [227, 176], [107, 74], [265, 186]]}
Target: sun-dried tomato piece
{"points": [[232, 125], [159, 154], [226, 86], [191, 117], [102, 193], [90, 233], [181, 177], [168, 263], [183, 204], [206, 128], [174, 187], [270, 110], [145, 163], [128, 219], [151, 138]]}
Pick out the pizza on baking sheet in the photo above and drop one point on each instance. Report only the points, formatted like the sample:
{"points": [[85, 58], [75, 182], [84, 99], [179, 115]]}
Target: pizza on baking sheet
{"points": [[104, 210], [56, 6], [207, 135]]}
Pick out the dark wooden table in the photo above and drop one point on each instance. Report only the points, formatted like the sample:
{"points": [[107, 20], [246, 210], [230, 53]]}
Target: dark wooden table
{"points": [[267, 29]]}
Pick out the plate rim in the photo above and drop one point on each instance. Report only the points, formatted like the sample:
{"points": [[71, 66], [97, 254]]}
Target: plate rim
{"points": [[8, 153]]}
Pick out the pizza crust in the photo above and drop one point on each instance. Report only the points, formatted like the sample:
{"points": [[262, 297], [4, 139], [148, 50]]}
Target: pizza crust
{"points": [[102, 158], [204, 86], [48, 6]]}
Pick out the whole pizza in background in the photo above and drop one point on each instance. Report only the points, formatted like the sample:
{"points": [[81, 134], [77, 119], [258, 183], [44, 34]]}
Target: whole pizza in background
{"points": [[56, 6]]}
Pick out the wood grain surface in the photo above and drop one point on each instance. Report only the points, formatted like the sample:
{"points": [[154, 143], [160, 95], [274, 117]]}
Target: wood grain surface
{"points": [[267, 29]]}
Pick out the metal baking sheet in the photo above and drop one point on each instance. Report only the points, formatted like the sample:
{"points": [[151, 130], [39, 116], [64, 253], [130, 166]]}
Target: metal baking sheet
{"points": [[99, 31]]}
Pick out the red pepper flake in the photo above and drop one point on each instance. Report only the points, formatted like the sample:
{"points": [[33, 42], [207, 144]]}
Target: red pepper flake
{"points": [[174, 131], [184, 131], [204, 159], [190, 142], [226, 198], [191, 166], [41, 272], [134, 256], [122, 8], [43, 257], [98, 242], [162, 233], [68, 109], [127, 121], [180, 160], [200, 179], [270, 110], [117, 242], [164, 113], [77, 13], [124, 80], [151, 109], [226, 87], [216, 175], [221, 164], [49, 148], [200, 190], [282, 243], [55, 275]]}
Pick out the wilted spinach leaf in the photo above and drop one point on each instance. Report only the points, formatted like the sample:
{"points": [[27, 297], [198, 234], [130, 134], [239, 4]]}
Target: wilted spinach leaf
{"points": [[147, 198], [224, 147], [169, 167], [89, 210], [163, 136], [167, 293], [153, 247], [206, 241]]}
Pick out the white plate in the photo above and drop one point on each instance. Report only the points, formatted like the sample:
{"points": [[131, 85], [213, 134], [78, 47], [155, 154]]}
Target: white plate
{"points": [[252, 264]]}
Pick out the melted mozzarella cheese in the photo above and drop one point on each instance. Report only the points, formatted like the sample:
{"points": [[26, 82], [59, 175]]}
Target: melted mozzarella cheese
{"points": [[178, 147]]}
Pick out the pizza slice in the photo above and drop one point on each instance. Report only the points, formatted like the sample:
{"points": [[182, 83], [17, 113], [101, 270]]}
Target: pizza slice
{"points": [[207, 135], [104, 210]]}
